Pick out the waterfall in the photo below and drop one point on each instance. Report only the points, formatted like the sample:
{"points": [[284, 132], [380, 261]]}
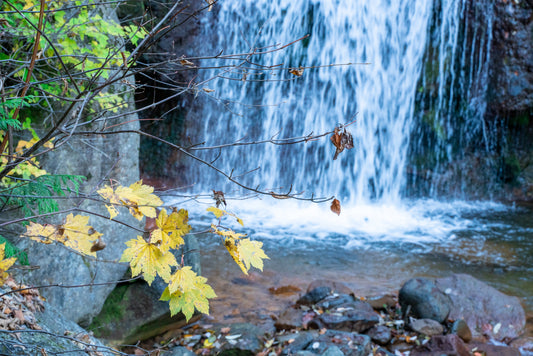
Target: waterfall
{"points": [[250, 104]]}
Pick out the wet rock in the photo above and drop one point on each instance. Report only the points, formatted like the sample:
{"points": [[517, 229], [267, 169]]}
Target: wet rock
{"points": [[487, 311], [249, 340], [314, 295], [296, 342], [380, 334], [179, 351], [382, 352], [334, 287], [494, 350], [305, 353], [336, 301], [382, 302], [461, 329], [236, 352], [333, 351], [427, 327], [524, 344], [348, 343], [425, 300], [360, 317], [290, 319], [442, 345]]}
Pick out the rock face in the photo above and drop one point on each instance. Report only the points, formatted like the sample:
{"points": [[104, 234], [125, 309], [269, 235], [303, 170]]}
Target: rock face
{"points": [[487, 311], [424, 299], [512, 57], [95, 157]]}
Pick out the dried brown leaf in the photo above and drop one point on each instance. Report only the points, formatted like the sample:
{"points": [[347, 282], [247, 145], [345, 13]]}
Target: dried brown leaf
{"points": [[336, 206]]}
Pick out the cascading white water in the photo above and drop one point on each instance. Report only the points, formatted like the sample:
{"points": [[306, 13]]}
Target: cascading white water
{"points": [[389, 35]]}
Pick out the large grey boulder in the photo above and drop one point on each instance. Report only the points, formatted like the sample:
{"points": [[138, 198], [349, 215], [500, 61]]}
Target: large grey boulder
{"points": [[424, 300], [487, 311]]}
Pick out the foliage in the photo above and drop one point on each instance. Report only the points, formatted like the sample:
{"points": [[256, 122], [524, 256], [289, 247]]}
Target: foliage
{"points": [[5, 263], [65, 57]]}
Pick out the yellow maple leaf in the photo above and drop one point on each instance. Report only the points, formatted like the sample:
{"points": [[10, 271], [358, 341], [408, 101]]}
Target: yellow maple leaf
{"points": [[171, 229], [143, 199], [45, 234], [233, 250], [190, 292], [78, 235], [5, 264], [149, 259], [251, 253], [138, 197], [226, 232]]}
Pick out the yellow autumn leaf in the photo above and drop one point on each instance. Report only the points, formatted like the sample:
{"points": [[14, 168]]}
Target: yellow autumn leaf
{"points": [[193, 293], [182, 280], [5, 264], [45, 234], [138, 197], [78, 235], [233, 250], [227, 232], [251, 253], [149, 259], [171, 229], [221, 212]]}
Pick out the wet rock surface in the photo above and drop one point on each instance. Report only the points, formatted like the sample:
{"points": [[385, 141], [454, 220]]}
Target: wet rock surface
{"points": [[331, 325]]}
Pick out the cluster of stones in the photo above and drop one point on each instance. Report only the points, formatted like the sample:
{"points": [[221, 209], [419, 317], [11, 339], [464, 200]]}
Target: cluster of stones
{"points": [[458, 315]]}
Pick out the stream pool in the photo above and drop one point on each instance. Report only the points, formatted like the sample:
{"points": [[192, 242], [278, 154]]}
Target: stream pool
{"points": [[371, 248]]}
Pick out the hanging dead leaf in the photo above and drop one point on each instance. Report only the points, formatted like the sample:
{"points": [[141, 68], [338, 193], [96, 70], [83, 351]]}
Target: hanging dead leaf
{"points": [[341, 139], [187, 63], [279, 196], [297, 71], [208, 90], [219, 198], [336, 206], [98, 245]]}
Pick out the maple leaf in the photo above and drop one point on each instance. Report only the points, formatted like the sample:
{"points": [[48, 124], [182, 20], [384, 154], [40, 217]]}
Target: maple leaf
{"points": [[188, 291], [138, 197], [341, 139], [45, 234], [77, 235], [149, 259], [5, 264], [336, 206], [171, 229], [231, 246], [251, 253]]}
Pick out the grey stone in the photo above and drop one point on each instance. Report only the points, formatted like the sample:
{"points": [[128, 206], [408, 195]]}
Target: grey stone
{"points": [[179, 351], [333, 351], [290, 319], [358, 318], [461, 329], [487, 311], [442, 345], [427, 327], [349, 343], [250, 339], [380, 334], [494, 350], [314, 296], [335, 301], [424, 299], [299, 343]]}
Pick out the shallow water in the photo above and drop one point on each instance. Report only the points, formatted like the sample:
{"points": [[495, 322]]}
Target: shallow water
{"points": [[371, 248]]}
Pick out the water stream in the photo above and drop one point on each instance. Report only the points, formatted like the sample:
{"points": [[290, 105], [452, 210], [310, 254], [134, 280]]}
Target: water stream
{"points": [[382, 237]]}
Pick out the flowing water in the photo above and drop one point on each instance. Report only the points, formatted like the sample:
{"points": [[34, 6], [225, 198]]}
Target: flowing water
{"points": [[381, 237]]}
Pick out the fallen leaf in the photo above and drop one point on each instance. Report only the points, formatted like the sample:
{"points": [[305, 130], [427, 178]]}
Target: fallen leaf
{"points": [[187, 63], [225, 330], [336, 206], [98, 245]]}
